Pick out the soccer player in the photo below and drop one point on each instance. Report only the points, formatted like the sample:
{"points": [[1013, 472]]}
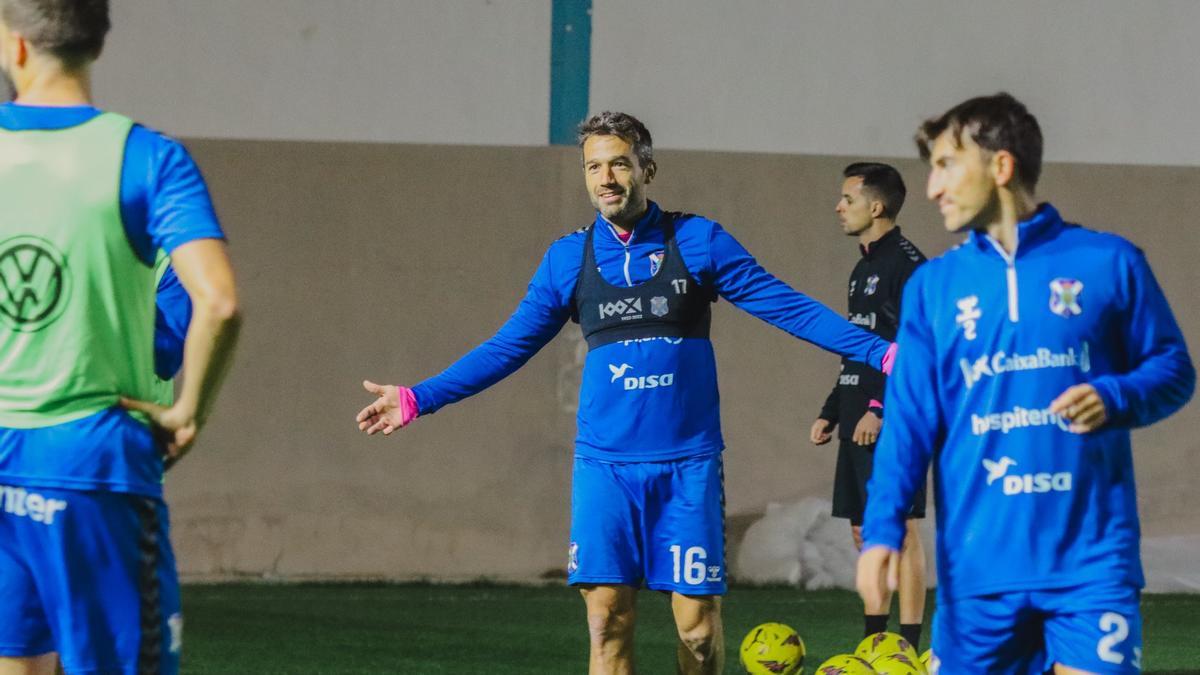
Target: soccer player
{"points": [[87, 198], [1029, 352], [647, 494], [872, 195]]}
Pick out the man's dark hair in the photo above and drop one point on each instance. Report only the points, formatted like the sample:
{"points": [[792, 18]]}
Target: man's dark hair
{"points": [[72, 31], [623, 125], [995, 123], [884, 183]]}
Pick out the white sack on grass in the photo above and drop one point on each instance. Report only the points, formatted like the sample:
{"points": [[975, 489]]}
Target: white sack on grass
{"points": [[801, 544], [798, 543]]}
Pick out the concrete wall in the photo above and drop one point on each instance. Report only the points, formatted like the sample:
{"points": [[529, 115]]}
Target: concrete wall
{"points": [[388, 261]]}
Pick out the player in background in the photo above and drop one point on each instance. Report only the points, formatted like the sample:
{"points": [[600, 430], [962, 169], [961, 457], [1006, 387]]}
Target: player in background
{"points": [[87, 198], [872, 196], [1030, 351], [647, 488]]}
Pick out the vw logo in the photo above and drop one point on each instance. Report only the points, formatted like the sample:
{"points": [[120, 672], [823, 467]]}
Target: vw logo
{"points": [[33, 283]]}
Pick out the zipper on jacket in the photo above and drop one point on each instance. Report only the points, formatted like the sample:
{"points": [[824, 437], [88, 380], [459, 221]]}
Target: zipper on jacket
{"points": [[1010, 260], [625, 244]]}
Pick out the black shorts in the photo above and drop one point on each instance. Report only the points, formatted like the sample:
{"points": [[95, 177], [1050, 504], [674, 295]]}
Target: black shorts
{"points": [[850, 483]]}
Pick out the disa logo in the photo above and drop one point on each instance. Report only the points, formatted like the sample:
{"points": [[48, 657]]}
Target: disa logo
{"points": [[639, 382], [1028, 483]]}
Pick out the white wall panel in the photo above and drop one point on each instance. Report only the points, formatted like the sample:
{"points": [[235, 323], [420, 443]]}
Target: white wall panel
{"points": [[450, 71], [1110, 80]]}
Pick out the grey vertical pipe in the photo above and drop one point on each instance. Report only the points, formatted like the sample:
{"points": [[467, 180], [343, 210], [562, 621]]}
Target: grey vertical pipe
{"points": [[570, 68]]}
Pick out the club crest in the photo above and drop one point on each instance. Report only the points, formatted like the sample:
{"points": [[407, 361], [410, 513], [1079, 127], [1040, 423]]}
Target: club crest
{"points": [[1064, 297], [872, 283], [656, 259], [658, 306]]}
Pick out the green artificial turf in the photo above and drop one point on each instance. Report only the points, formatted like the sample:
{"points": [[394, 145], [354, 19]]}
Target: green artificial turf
{"points": [[422, 628]]}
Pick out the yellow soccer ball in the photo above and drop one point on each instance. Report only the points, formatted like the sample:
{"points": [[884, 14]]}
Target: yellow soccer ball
{"points": [[897, 664], [928, 660], [878, 645], [845, 664], [772, 649]]}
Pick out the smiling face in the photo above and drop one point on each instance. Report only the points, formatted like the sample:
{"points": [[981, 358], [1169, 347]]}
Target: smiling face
{"points": [[963, 181], [616, 182]]}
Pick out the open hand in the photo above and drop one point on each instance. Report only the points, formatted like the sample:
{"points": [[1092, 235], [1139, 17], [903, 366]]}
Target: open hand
{"points": [[395, 408]]}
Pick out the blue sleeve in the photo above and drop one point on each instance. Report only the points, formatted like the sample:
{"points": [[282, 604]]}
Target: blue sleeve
{"points": [[173, 313], [538, 318], [1158, 377], [741, 280], [164, 200], [913, 424]]}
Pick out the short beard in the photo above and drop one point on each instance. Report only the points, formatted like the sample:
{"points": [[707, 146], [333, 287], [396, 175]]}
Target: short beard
{"points": [[628, 212], [986, 215]]}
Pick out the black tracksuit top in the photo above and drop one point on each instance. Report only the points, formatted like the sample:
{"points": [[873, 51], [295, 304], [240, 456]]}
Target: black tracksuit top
{"points": [[874, 293]]}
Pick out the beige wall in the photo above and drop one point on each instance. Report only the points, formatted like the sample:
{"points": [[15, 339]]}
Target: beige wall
{"points": [[388, 261]]}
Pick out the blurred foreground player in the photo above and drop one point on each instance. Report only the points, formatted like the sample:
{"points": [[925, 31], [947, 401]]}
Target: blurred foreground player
{"points": [[647, 488], [1030, 351], [872, 196], [87, 198]]}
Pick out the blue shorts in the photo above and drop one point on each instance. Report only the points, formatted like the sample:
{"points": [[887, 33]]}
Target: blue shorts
{"points": [[658, 523], [1096, 628], [89, 575]]}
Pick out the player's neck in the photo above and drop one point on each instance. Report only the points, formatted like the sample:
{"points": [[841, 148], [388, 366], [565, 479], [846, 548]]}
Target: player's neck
{"points": [[875, 232], [624, 226], [1013, 207], [55, 87]]}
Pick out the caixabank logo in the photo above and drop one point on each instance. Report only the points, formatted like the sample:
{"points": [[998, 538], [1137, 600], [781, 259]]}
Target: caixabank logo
{"points": [[34, 285]]}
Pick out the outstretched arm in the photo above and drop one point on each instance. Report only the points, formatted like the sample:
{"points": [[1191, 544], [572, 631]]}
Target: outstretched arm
{"points": [[539, 317], [741, 280]]}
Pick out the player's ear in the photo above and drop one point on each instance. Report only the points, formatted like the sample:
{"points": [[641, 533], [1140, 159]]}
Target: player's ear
{"points": [[877, 209], [1003, 167], [651, 169]]}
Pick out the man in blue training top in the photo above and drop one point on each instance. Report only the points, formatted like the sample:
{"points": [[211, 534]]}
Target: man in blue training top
{"points": [[1030, 351], [647, 494], [87, 199]]}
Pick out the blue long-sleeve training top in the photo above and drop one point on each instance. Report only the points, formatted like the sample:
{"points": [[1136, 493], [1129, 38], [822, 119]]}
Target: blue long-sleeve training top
{"points": [[987, 341], [649, 421]]}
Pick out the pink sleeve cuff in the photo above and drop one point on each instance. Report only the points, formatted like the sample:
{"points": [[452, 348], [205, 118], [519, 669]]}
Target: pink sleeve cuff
{"points": [[875, 404], [408, 405], [889, 359]]}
